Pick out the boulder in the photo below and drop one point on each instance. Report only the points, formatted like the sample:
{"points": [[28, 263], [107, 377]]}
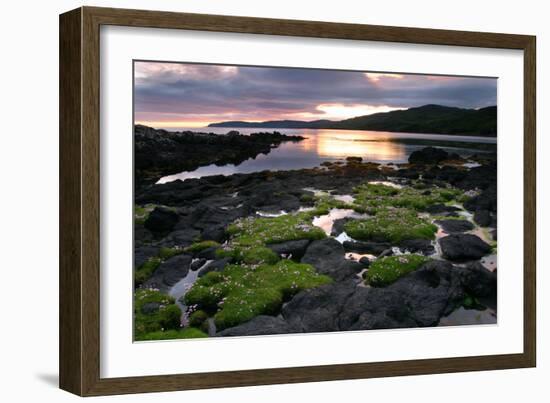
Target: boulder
{"points": [[484, 218], [455, 226], [161, 220], [318, 309], [373, 248], [295, 248], [216, 265], [260, 325], [143, 253], [428, 155], [477, 280], [442, 209], [169, 273], [328, 257], [461, 247], [197, 264], [423, 246]]}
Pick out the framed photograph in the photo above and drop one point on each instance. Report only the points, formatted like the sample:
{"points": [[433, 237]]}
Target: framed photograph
{"points": [[250, 201]]}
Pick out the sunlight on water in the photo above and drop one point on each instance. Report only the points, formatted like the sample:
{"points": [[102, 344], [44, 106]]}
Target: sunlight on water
{"points": [[326, 145]]}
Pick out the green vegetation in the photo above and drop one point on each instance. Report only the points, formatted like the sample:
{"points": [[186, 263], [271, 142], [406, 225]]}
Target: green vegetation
{"points": [[167, 253], [200, 246], [154, 311], [387, 270], [145, 271], [242, 292], [393, 225], [142, 212], [266, 230], [186, 333], [249, 255], [371, 198]]}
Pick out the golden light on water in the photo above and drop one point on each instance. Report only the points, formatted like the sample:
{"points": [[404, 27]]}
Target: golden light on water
{"points": [[347, 143]]}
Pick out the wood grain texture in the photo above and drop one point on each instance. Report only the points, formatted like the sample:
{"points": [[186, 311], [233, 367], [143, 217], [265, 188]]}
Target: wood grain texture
{"points": [[80, 200]]}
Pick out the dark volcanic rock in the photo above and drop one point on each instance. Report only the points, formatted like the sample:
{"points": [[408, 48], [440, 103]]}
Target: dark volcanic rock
{"points": [[485, 218], [478, 281], [318, 309], [455, 226], [460, 247], [423, 246], [428, 155], [169, 273], [197, 264], [365, 261], [338, 226], [216, 265], [328, 257], [442, 209], [260, 325], [295, 248], [161, 220], [208, 253], [143, 253], [373, 248]]}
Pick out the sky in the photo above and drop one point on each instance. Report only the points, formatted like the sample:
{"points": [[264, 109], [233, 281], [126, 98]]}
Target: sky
{"points": [[174, 95]]}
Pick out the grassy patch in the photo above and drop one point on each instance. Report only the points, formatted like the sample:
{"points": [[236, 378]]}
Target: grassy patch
{"points": [[265, 230], [141, 213], [393, 225], [145, 271], [187, 333], [167, 253], [249, 255], [386, 270], [200, 246], [241, 292], [153, 312], [371, 198]]}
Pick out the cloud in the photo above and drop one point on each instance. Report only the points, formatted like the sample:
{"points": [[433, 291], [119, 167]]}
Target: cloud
{"points": [[184, 92]]}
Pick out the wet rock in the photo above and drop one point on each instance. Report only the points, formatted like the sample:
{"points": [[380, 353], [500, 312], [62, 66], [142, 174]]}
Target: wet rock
{"points": [[428, 155], [460, 247], [455, 226], [478, 281], [295, 248], [387, 252], [365, 261], [338, 225], [143, 253], [161, 220], [208, 253], [442, 209], [318, 309], [373, 248], [486, 200], [216, 265], [484, 218], [169, 273], [197, 264], [423, 246], [260, 325], [328, 257]]}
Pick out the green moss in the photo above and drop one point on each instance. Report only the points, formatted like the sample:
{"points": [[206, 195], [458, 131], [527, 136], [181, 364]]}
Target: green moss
{"points": [[145, 271], [372, 198], [163, 314], [242, 292], [167, 253], [197, 318], [261, 231], [200, 246], [386, 270], [141, 213], [249, 255], [187, 333], [393, 225]]}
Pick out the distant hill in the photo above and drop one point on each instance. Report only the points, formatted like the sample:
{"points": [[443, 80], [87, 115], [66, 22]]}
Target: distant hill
{"points": [[424, 119]]}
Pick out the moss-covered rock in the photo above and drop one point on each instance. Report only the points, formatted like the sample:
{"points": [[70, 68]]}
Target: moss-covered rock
{"points": [[145, 271], [392, 225], [387, 270], [166, 315], [166, 253], [200, 246], [186, 333], [242, 292]]}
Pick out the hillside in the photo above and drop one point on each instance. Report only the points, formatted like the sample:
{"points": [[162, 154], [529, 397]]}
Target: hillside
{"points": [[424, 119]]}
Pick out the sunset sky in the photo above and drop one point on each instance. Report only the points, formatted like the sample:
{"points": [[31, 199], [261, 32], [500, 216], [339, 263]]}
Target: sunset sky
{"points": [[173, 95]]}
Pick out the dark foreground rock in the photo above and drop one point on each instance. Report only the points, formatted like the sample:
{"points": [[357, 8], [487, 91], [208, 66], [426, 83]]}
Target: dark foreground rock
{"points": [[260, 325], [460, 247], [478, 281], [328, 257], [161, 220], [373, 248], [296, 249], [169, 273], [423, 246], [455, 226], [428, 155]]}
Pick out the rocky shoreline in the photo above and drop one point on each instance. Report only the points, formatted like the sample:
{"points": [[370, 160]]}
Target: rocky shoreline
{"points": [[349, 245]]}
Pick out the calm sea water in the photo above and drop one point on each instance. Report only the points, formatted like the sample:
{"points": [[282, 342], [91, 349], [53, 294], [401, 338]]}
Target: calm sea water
{"points": [[331, 145]]}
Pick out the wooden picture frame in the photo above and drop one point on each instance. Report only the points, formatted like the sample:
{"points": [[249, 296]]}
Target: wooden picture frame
{"points": [[80, 185]]}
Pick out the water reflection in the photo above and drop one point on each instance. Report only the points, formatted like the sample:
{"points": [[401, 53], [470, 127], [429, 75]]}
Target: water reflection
{"points": [[329, 145]]}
